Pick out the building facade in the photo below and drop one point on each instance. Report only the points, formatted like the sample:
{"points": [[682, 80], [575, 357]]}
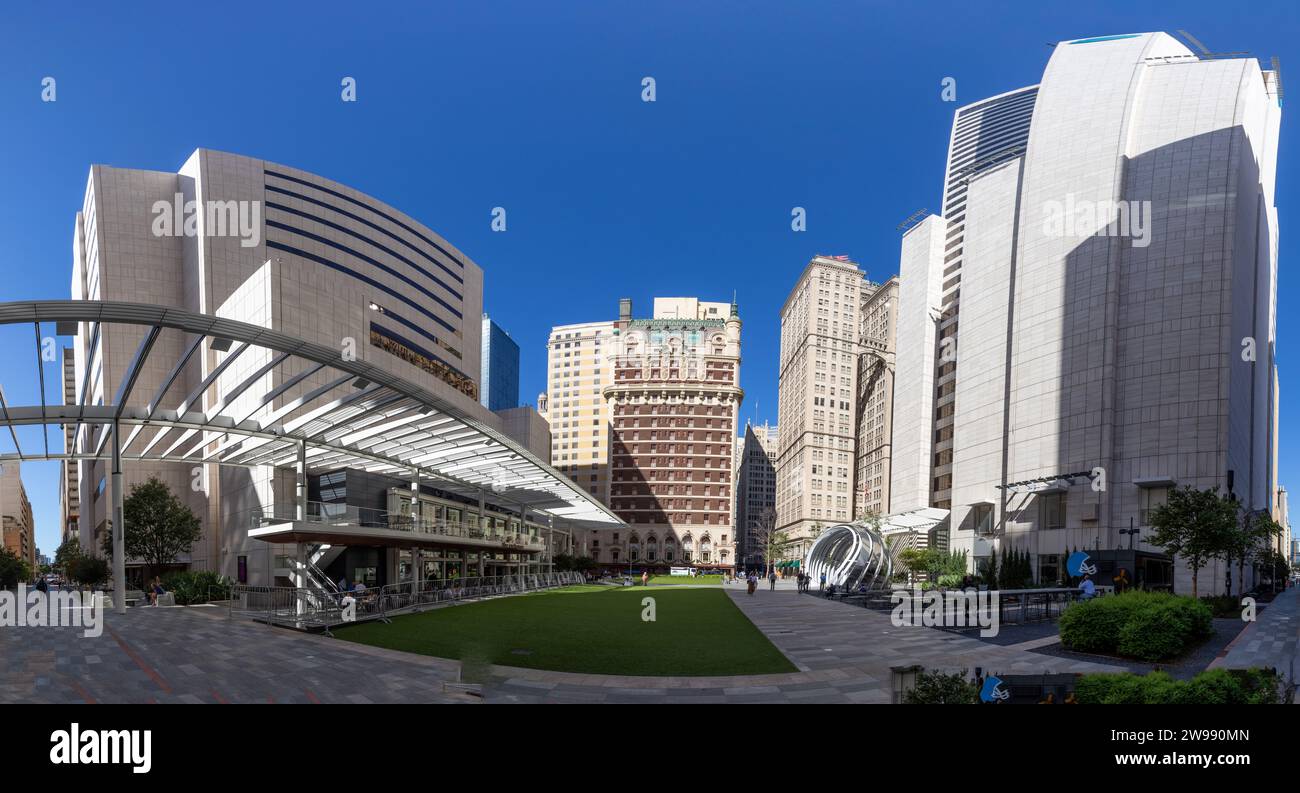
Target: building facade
{"points": [[1109, 244], [16, 522], [576, 375], [818, 400], [69, 487], [270, 245], [499, 363], [873, 439], [756, 453], [674, 405]]}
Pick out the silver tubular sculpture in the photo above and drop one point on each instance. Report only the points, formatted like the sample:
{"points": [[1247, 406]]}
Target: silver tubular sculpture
{"points": [[850, 555]]}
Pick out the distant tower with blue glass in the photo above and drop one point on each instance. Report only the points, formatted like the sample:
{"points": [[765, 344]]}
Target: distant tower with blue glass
{"points": [[500, 364]]}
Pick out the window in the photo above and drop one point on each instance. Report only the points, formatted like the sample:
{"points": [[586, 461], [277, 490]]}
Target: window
{"points": [[1152, 497], [1051, 511], [983, 518]]}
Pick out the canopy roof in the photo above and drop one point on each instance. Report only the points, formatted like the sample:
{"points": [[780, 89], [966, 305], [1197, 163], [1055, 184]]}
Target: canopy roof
{"points": [[362, 418]]}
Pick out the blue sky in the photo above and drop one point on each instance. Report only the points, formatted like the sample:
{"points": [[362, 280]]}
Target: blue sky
{"points": [[535, 107]]}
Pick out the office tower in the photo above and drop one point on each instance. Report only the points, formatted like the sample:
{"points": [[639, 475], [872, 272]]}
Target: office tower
{"points": [[756, 453], [574, 405], [499, 364], [69, 488], [873, 456], [1108, 242], [818, 400]]}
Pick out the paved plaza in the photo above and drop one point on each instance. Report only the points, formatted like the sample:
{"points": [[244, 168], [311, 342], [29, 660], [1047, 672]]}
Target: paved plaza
{"points": [[843, 654]]}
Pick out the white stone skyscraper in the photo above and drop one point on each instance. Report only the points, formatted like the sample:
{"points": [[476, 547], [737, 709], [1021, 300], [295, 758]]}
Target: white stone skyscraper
{"points": [[1109, 242]]}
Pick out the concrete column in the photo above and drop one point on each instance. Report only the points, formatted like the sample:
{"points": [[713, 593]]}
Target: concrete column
{"points": [[119, 525], [301, 485], [417, 555], [300, 552]]}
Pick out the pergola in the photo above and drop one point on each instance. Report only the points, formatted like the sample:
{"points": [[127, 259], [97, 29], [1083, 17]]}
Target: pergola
{"points": [[358, 416]]}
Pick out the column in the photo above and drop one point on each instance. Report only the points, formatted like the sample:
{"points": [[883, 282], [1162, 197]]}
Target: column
{"points": [[301, 484], [417, 554], [119, 526]]}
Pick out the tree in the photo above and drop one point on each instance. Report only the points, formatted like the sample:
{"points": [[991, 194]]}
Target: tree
{"points": [[770, 541], [88, 570], [1248, 539], [1196, 526], [69, 550], [13, 569], [158, 526]]}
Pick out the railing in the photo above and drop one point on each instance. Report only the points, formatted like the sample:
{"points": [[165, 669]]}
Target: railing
{"points": [[346, 515], [311, 608], [1015, 606]]}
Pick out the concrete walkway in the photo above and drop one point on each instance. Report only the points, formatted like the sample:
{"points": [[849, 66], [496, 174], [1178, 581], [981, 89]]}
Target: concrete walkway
{"points": [[198, 655], [1271, 641]]}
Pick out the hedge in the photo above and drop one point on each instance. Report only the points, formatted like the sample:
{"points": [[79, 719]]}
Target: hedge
{"points": [[196, 586], [1212, 687], [1150, 626]]}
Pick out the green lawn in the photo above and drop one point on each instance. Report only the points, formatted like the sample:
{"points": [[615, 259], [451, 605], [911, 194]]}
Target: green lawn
{"points": [[589, 629], [682, 580]]}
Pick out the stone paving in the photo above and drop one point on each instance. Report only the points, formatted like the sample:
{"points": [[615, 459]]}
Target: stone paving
{"points": [[843, 654], [1271, 641], [198, 655]]}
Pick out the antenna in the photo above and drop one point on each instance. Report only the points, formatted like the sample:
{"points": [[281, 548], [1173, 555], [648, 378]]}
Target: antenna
{"points": [[1204, 50], [913, 219]]}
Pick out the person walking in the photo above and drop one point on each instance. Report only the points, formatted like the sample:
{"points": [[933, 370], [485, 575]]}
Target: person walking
{"points": [[771, 577], [752, 582], [645, 578], [822, 586]]}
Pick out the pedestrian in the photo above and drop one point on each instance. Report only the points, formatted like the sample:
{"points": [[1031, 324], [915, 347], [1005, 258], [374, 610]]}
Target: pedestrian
{"points": [[645, 578], [822, 586], [752, 582], [772, 580], [343, 584], [1088, 588]]}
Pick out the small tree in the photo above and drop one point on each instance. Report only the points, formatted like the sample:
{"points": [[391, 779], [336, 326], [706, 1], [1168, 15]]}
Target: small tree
{"points": [[68, 550], [158, 526], [770, 540], [13, 569], [88, 570], [1196, 526]]}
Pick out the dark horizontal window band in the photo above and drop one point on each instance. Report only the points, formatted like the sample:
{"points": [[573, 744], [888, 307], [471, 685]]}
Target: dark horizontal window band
{"points": [[368, 208], [272, 188], [275, 224], [280, 246], [400, 339], [368, 241], [390, 314]]}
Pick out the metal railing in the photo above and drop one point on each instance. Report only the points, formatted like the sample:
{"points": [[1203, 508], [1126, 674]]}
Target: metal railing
{"points": [[1015, 606], [346, 515], [310, 608]]}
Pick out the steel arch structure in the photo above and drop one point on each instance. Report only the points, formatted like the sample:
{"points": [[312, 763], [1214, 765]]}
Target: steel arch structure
{"points": [[360, 416], [851, 554]]}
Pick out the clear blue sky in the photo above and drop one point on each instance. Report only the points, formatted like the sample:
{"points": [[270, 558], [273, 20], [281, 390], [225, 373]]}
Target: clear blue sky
{"points": [[535, 107]]}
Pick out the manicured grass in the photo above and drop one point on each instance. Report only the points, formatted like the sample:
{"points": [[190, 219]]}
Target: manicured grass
{"points": [[589, 629], [683, 580]]}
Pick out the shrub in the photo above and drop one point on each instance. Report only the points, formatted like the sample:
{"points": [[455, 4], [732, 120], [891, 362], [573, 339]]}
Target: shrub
{"points": [[937, 688], [196, 586], [13, 569], [1148, 625], [1222, 605], [950, 580], [88, 570], [1212, 687]]}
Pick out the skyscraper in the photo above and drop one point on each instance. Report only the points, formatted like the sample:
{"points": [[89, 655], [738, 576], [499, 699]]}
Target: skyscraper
{"points": [[755, 490], [818, 400], [499, 363], [1108, 241]]}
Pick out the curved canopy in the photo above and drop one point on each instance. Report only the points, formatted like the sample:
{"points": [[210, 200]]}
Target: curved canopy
{"points": [[362, 417], [851, 554]]}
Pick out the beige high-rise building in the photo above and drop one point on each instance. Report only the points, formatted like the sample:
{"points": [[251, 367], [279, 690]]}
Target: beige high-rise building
{"points": [[875, 417], [69, 483], [16, 523], [818, 400], [576, 374]]}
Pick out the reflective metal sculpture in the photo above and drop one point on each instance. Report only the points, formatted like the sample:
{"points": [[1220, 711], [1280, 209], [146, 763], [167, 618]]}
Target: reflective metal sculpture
{"points": [[851, 555]]}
